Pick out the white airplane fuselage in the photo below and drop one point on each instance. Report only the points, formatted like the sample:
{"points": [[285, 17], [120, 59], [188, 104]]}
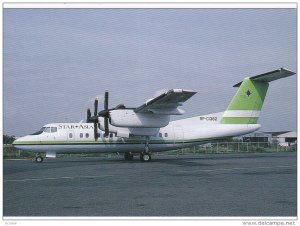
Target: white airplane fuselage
{"points": [[147, 128], [79, 137]]}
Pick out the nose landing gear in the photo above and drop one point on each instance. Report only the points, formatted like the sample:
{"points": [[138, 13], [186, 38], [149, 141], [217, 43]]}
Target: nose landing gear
{"points": [[145, 156], [38, 158]]}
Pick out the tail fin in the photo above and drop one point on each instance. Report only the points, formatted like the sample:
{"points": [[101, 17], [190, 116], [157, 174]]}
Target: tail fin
{"points": [[246, 104]]}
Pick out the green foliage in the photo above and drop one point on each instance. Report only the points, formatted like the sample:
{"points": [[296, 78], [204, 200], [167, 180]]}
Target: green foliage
{"points": [[13, 153], [234, 147], [9, 152], [8, 139], [83, 155]]}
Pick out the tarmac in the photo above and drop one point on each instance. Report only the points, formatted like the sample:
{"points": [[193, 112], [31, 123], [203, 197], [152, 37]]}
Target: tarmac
{"points": [[189, 185]]}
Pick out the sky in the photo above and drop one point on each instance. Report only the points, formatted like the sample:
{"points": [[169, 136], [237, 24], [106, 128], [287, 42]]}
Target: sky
{"points": [[56, 61]]}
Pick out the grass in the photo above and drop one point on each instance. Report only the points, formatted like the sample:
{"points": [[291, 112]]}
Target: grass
{"points": [[216, 148]]}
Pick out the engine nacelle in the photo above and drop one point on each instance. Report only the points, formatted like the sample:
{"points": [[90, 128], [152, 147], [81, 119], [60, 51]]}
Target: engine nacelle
{"points": [[128, 118], [126, 131]]}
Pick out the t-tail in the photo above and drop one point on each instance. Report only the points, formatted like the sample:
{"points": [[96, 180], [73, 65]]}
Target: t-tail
{"points": [[246, 104]]}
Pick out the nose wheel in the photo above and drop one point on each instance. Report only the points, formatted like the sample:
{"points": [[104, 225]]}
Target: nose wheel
{"points": [[38, 159]]}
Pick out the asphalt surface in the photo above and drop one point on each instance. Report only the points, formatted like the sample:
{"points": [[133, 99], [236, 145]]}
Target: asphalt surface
{"points": [[184, 185]]}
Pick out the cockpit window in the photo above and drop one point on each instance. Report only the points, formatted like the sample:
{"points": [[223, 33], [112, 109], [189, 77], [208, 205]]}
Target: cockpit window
{"points": [[39, 132], [47, 130]]}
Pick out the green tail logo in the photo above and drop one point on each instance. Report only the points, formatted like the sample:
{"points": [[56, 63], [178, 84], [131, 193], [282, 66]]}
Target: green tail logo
{"points": [[246, 104]]}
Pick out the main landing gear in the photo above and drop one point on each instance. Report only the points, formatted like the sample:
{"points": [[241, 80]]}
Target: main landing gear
{"points": [[145, 156], [38, 158]]}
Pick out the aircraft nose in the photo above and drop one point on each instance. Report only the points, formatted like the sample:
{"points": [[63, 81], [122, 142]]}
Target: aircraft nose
{"points": [[16, 141], [19, 140]]}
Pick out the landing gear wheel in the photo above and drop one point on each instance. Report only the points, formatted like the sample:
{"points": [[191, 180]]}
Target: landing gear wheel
{"points": [[39, 159], [128, 156], [145, 157]]}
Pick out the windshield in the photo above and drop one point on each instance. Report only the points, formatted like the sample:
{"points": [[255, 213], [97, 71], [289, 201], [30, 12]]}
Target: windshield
{"points": [[46, 130], [39, 132]]}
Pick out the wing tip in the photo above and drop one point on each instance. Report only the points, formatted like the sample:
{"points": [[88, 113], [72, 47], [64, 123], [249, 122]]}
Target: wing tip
{"points": [[182, 91]]}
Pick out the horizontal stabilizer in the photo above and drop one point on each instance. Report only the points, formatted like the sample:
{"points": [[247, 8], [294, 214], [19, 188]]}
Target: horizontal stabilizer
{"points": [[270, 76]]}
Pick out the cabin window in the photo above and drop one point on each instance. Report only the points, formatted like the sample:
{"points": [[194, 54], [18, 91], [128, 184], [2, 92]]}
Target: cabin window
{"points": [[111, 135], [81, 135], [70, 135], [166, 134], [47, 130], [87, 135], [160, 135], [53, 129]]}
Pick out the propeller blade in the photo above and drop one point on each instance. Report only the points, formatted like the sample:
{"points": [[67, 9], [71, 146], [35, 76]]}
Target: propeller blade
{"points": [[106, 127], [106, 100], [95, 131], [88, 115], [96, 107], [104, 113]]}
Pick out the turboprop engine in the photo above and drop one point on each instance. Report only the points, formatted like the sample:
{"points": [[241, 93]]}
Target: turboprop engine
{"points": [[128, 118], [125, 121], [126, 131]]}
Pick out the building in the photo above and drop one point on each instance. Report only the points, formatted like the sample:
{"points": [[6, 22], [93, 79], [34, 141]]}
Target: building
{"points": [[256, 137], [284, 138]]}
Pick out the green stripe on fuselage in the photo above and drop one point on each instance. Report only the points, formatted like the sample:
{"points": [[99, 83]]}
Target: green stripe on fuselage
{"points": [[93, 142], [239, 120]]}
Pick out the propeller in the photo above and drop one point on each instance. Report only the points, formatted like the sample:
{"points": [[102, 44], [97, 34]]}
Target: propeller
{"points": [[104, 113], [94, 118]]}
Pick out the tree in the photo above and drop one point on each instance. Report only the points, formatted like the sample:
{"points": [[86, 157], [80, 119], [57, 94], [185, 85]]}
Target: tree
{"points": [[8, 139]]}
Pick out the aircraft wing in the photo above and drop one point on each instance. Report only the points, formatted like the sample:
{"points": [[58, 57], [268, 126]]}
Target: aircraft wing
{"points": [[166, 103]]}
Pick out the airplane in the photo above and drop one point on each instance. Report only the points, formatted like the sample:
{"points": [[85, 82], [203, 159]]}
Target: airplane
{"points": [[148, 128]]}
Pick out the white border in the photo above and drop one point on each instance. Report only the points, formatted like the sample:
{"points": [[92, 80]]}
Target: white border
{"points": [[137, 220], [67, 5]]}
